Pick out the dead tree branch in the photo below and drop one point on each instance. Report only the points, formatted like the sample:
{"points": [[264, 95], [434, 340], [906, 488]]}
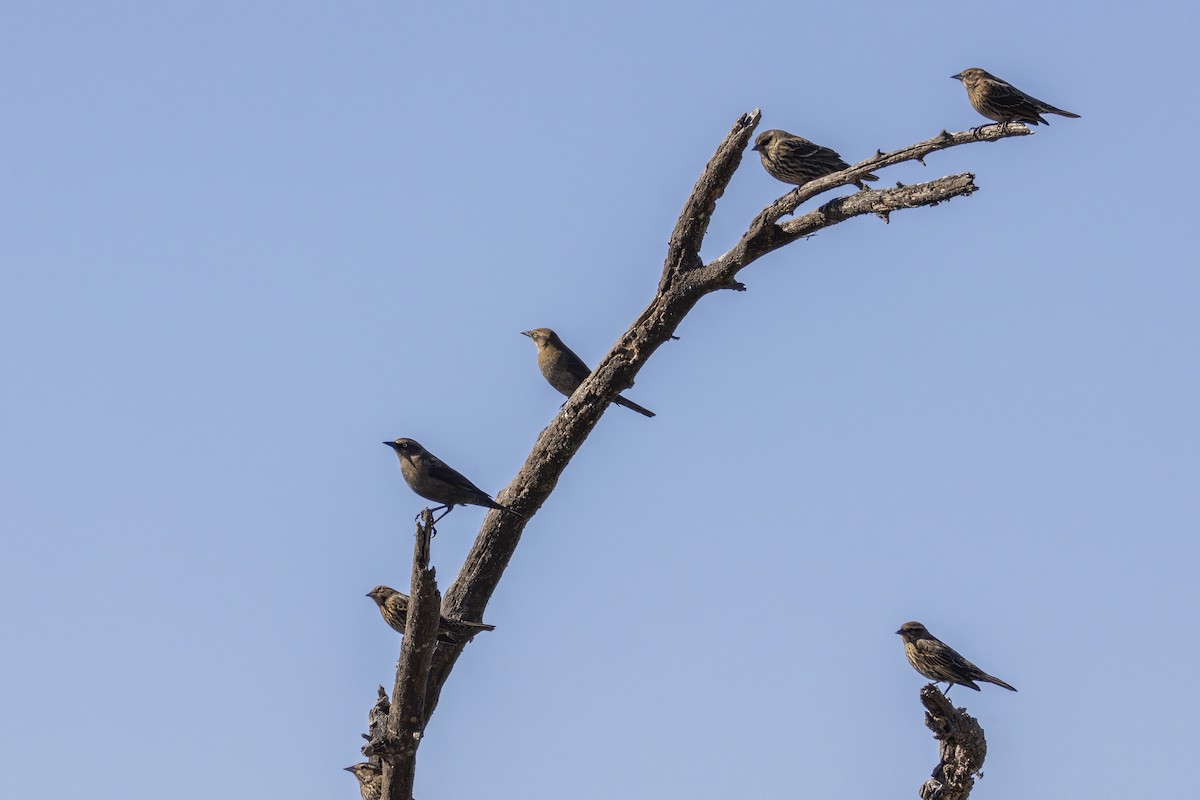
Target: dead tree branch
{"points": [[684, 281], [406, 721], [961, 747]]}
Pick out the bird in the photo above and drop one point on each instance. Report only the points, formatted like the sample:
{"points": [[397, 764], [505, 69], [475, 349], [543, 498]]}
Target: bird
{"points": [[564, 370], [794, 159], [939, 662], [393, 607], [1000, 101], [370, 779], [431, 478]]}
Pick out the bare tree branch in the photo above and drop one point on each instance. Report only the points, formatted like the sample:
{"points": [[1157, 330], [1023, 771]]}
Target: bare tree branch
{"points": [[683, 251], [915, 152], [765, 237], [961, 747], [685, 280], [406, 722]]}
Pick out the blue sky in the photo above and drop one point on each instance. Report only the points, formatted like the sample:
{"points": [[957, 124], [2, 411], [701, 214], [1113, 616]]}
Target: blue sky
{"points": [[245, 243]]}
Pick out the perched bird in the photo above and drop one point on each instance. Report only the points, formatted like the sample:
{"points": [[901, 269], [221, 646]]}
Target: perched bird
{"points": [[1001, 101], [794, 159], [430, 477], [370, 779], [393, 606], [939, 662], [564, 370]]}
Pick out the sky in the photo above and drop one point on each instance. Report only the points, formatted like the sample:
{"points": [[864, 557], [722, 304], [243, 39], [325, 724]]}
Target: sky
{"points": [[246, 243]]}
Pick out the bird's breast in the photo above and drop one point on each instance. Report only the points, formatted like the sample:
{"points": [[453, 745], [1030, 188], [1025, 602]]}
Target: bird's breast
{"points": [[409, 470]]}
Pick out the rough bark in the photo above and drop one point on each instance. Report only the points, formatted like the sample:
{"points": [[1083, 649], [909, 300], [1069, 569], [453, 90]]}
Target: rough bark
{"points": [[406, 721], [376, 733], [961, 747]]}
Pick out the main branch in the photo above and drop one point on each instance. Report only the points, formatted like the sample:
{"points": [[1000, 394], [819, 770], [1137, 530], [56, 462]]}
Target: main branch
{"points": [[685, 280]]}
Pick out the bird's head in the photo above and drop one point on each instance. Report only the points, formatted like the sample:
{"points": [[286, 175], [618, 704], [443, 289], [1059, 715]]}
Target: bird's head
{"points": [[766, 139], [380, 594], [364, 771], [406, 448], [971, 76], [912, 631], [541, 336]]}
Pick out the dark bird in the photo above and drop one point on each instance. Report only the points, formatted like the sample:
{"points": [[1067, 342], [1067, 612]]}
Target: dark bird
{"points": [[939, 662], [1000, 101], [430, 477], [794, 159], [564, 370], [393, 606], [370, 779]]}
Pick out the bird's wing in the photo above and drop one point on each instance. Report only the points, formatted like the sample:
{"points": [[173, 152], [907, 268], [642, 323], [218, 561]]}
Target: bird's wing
{"points": [[944, 662], [440, 470], [799, 146], [455, 631], [574, 363], [944, 656], [928, 646], [1009, 100], [817, 153]]}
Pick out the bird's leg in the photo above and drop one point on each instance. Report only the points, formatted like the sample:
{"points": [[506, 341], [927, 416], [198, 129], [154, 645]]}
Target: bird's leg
{"points": [[444, 513], [949, 686]]}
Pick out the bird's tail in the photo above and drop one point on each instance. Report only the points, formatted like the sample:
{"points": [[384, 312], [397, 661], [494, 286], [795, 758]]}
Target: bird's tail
{"points": [[997, 681], [870, 176], [477, 626], [1049, 109], [632, 406]]}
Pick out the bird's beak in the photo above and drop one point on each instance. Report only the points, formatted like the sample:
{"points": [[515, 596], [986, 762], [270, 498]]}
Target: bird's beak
{"points": [[957, 77], [391, 445], [348, 769], [901, 632], [755, 148], [527, 333]]}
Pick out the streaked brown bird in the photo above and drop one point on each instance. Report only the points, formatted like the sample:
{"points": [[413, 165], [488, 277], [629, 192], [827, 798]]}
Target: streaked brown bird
{"points": [[430, 477], [393, 606], [794, 159], [370, 779], [1000, 101], [564, 370], [939, 662]]}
